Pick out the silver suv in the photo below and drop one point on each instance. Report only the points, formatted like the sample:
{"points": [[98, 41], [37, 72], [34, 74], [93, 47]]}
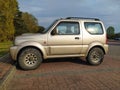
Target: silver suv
{"points": [[68, 37]]}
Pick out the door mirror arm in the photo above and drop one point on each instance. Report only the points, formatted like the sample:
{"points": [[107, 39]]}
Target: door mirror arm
{"points": [[54, 32]]}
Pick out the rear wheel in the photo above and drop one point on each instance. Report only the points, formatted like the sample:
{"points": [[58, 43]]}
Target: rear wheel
{"points": [[29, 58], [95, 56]]}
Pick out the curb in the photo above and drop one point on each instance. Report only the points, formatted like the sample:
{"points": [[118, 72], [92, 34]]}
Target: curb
{"points": [[6, 79], [8, 76], [4, 56]]}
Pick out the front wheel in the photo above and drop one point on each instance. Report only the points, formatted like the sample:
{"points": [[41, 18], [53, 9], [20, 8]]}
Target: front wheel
{"points": [[29, 58], [95, 56]]}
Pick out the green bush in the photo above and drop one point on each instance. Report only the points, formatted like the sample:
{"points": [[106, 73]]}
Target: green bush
{"points": [[4, 47]]}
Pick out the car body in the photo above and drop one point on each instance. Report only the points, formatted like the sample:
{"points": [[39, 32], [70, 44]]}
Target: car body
{"points": [[116, 38], [66, 37]]}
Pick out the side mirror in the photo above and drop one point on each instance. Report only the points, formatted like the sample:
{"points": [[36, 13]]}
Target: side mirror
{"points": [[54, 32]]}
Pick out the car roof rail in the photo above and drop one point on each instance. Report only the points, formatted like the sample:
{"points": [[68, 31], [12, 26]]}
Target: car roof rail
{"points": [[82, 18]]}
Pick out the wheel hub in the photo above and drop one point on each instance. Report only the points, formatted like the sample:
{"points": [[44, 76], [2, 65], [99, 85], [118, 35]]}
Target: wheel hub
{"points": [[95, 56], [30, 59]]}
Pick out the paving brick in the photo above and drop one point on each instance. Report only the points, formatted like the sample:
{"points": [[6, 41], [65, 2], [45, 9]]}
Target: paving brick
{"points": [[69, 75], [5, 65], [6, 70]]}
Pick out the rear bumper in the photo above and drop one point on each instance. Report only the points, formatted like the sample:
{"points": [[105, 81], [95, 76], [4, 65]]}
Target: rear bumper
{"points": [[13, 52], [106, 48]]}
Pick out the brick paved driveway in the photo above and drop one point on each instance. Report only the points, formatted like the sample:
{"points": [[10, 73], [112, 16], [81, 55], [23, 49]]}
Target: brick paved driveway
{"points": [[69, 74]]}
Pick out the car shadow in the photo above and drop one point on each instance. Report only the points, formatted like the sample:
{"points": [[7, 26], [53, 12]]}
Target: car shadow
{"points": [[72, 60], [7, 59], [57, 60]]}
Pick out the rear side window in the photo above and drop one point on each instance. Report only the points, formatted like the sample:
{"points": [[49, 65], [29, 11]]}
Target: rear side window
{"points": [[93, 28]]}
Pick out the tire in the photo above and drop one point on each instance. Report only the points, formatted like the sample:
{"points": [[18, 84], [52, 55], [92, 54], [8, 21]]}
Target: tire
{"points": [[29, 59], [95, 56]]}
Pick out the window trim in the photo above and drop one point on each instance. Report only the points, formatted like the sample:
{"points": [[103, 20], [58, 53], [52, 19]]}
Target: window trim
{"points": [[68, 22]]}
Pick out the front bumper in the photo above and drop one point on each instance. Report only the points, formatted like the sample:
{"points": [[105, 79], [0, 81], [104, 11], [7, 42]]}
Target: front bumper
{"points": [[13, 52]]}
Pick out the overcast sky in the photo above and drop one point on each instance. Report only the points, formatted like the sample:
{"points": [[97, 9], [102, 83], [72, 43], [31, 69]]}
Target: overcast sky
{"points": [[47, 11]]}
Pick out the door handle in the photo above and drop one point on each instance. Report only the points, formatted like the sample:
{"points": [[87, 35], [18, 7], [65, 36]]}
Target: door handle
{"points": [[77, 38]]}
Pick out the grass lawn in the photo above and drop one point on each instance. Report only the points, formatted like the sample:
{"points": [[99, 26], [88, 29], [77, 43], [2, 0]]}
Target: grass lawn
{"points": [[4, 47]]}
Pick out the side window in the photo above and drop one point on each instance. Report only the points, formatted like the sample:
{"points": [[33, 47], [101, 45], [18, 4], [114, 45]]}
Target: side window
{"points": [[93, 28], [68, 28]]}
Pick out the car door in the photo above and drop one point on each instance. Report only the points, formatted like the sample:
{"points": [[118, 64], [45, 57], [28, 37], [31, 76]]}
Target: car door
{"points": [[65, 39]]}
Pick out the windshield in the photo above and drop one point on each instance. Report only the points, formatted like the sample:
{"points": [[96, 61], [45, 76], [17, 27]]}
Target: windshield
{"points": [[47, 29]]}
